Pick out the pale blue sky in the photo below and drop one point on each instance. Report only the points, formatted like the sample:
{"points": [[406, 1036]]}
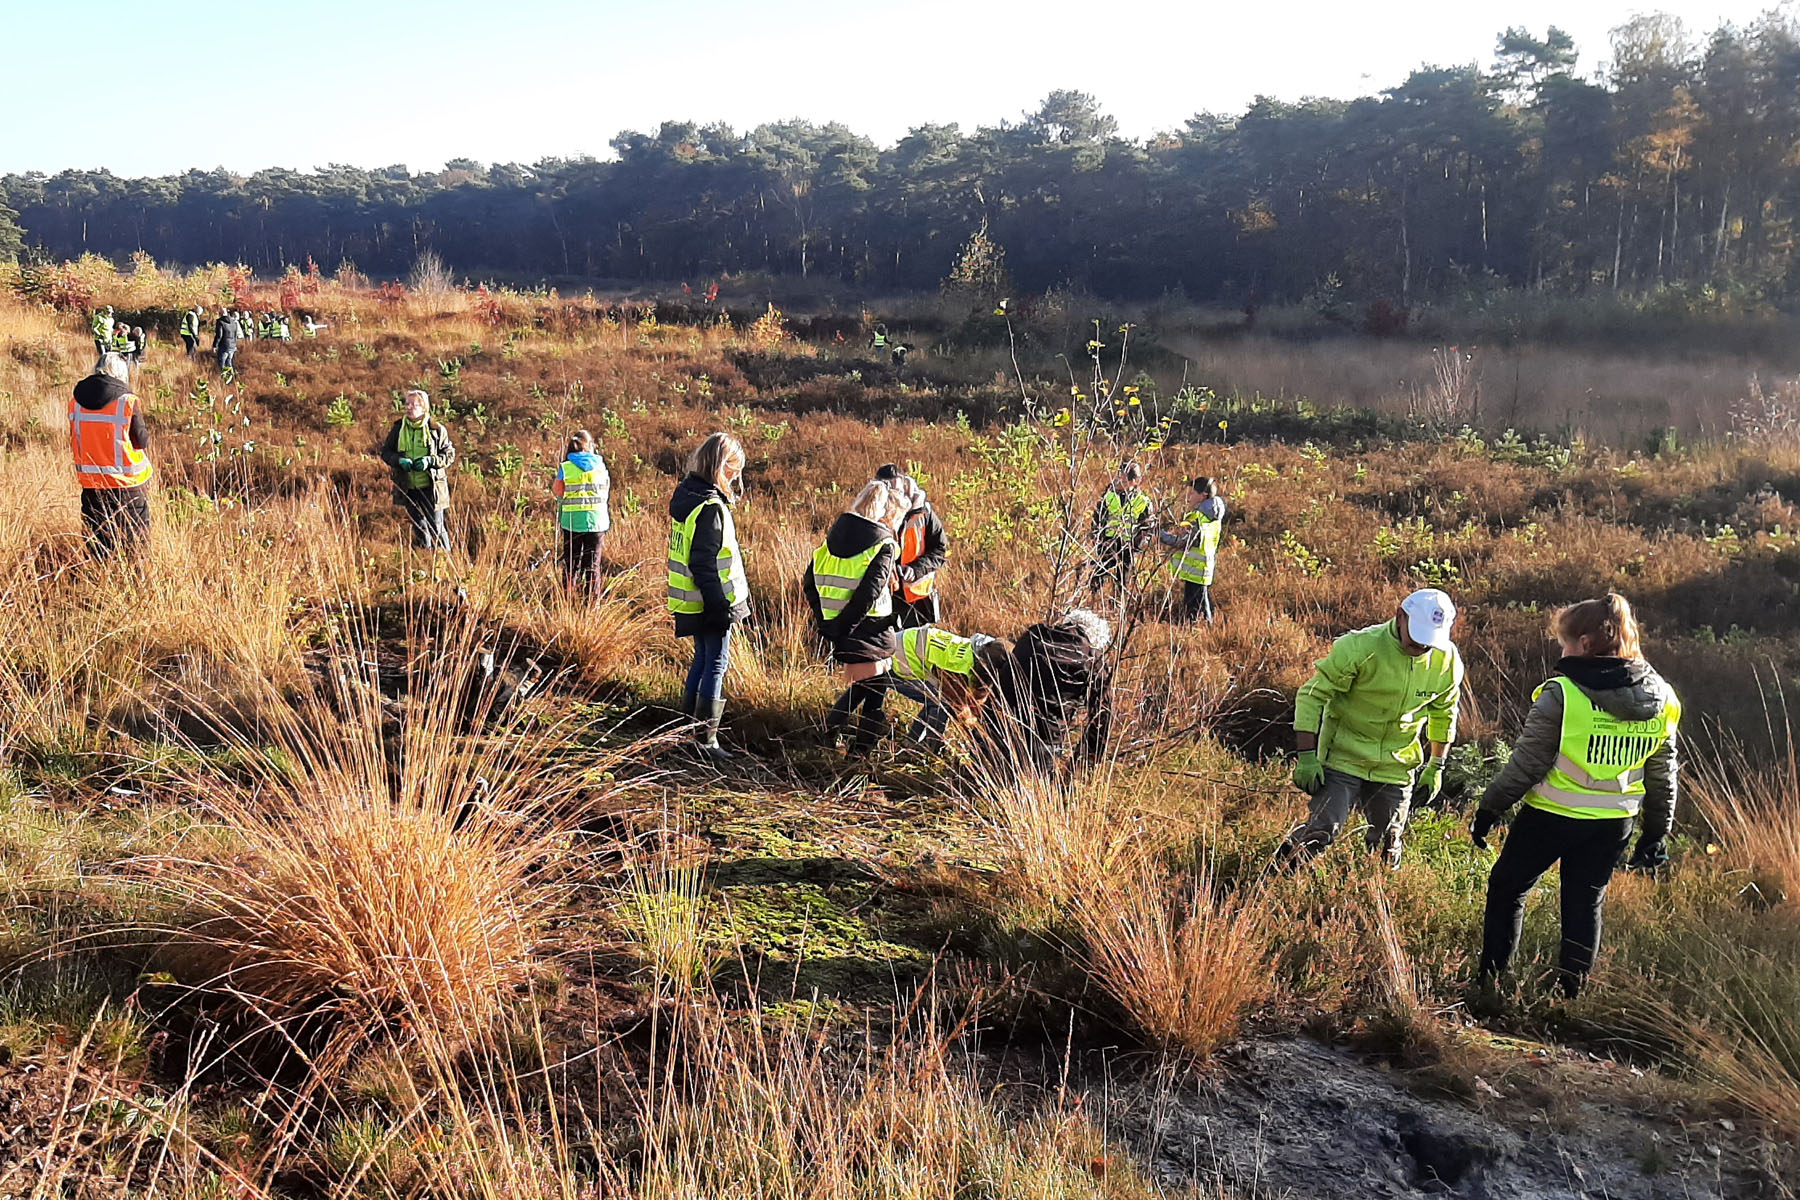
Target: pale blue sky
{"points": [[401, 81]]}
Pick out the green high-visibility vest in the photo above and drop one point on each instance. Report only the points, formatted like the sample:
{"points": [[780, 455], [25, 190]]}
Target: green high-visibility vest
{"points": [[684, 593], [580, 509], [1599, 770], [122, 343], [102, 326], [1196, 563], [926, 649], [190, 323], [838, 578], [880, 340], [1123, 513]]}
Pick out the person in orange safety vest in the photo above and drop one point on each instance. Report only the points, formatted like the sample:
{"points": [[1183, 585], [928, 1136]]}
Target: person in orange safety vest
{"points": [[923, 549], [112, 460]]}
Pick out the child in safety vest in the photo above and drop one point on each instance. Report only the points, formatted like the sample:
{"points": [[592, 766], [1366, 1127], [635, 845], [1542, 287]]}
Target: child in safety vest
{"points": [[938, 669], [582, 488], [1197, 546]]}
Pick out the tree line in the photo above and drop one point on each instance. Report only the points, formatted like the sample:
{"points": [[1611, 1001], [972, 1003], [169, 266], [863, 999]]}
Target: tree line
{"points": [[1677, 167]]}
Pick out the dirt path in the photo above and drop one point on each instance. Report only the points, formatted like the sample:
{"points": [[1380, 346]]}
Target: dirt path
{"points": [[1298, 1118]]}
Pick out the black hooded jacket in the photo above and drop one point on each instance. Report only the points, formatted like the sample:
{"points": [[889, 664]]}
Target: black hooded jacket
{"points": [[97, 391], [1062, 677], [855, 636], [703, 559], [1627, 688]]}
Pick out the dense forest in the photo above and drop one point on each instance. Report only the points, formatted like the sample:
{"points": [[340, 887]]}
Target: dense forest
{"points": [[1676, 168]]}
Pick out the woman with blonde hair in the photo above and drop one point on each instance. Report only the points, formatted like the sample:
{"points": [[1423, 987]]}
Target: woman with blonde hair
{"points": [[850, 585], [707, 592], [1597, 754]]}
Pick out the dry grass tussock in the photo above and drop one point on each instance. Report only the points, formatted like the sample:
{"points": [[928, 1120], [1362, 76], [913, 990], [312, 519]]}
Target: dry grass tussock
{"points": [[1185, 958], [1184, 955], [1753, 807], [378, 862]]}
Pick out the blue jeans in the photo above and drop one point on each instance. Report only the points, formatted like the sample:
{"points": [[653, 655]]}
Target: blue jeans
{"points": [[929, 724], [712, 655]]}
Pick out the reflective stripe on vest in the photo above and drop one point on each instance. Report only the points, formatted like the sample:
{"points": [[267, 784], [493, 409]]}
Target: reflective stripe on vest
{"points": [[1599, 770], [581, 489], [683, 593], [912, 544], [1123, 515], [838, 578], [1196, 563], [928, 649], [101, 442], [190, 324]]}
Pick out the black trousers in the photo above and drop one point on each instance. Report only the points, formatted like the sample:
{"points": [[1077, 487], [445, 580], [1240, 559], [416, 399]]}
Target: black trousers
{"points": [[1589, 850], [425, 517], [116, 519], [189, 341], [1196, 602], [870, 696], [581, 561], [910, 614], [1112, 564]]}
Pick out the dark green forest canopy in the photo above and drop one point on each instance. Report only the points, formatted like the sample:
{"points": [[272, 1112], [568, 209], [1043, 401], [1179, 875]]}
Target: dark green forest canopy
{"points": [[1679, 168]]}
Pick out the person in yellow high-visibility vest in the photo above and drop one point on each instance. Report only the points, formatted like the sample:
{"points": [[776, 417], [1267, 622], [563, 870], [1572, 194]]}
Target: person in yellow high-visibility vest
{"points": [[939, 669], [582, 488], [850, 585], [1122, 526], [708, 593], [102, 325], [1596, 756], [419, 454], [112, 462], [1197, 546], [190, 328]]}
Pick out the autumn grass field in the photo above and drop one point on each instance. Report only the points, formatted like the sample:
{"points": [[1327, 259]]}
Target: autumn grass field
{"points": [[302, 899]]}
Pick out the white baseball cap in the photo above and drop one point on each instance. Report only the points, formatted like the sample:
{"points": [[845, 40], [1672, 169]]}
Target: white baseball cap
{"points": [[1429, 615]]}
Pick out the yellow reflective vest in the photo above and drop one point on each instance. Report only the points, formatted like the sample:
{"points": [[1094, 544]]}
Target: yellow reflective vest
{"points": [[838, 578], [926, 649], [1123, 513], [579, 509], [684, 594], [1195, 563], [1599, 769]]}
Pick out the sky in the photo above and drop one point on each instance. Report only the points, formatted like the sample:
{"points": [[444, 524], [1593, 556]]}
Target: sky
{"points": [[380, 82]]}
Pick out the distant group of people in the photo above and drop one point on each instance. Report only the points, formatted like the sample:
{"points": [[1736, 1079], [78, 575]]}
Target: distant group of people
{"points": [[231, 328], [234, 327], [1595, 764], [113, 336]]}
